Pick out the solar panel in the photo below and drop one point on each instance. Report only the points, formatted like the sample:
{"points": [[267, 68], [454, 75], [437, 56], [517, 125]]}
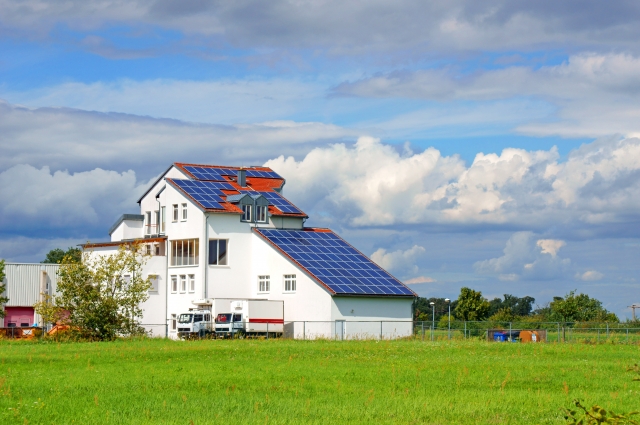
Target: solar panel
{"points": [[335, 263], [206, 193], [215, 174], [278, 200]]}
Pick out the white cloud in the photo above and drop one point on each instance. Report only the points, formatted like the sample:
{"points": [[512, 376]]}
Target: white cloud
{"points": [[419, 279], [526, 258], [590, 275], [595, 94], [38, 199], [402, 261], [216, 102], [340, 27], [371, 184], [550, 246], [79, 140]]}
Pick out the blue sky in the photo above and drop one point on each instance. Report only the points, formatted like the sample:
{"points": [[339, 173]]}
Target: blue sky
{"points": [[490, 144]]}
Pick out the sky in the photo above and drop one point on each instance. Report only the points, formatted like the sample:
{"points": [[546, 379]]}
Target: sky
{"points": [[491, 144]]}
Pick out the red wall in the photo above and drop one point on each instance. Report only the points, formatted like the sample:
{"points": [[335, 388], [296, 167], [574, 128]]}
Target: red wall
{"points": [[18, 315]]}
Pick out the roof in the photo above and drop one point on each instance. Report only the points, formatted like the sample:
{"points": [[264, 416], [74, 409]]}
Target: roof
{"points": [[122, 242], [215, 188], [332, 262], [123, 217]]}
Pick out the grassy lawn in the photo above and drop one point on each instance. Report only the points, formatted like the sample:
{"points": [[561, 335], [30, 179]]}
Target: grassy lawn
{"points": [[322, 382]]}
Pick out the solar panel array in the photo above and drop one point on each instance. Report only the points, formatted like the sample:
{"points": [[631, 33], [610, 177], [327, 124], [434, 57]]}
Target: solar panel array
{"points": [[206, 193], [335, 263], [215, 174], [278, 200]]}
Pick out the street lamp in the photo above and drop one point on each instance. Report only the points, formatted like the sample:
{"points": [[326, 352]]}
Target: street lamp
{"points": [[433, 320], [448, 301]]}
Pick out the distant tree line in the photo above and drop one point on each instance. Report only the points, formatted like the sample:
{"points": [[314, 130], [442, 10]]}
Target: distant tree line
{"points": [[472, 306]]}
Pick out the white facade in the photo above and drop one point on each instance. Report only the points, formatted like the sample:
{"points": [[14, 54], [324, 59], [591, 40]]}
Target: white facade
{"points": [[170, 221]]}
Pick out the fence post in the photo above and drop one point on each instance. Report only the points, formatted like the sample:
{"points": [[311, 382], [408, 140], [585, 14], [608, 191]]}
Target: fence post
{"points": [[431, 328], [558, 323], [627, 335], [510, 333], [267, 330], [423, 331], [465, 329], [607, 330], [304, 330], [381, 330], [598, 334]]}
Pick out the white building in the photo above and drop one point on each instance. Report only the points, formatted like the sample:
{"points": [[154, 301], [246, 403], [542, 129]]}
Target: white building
{"points": [[227, 232]]}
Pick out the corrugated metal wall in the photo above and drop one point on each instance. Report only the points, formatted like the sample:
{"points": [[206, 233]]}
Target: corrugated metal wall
{"points": [[25, 282]]}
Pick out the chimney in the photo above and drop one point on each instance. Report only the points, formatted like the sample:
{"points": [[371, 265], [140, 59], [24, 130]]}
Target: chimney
{"points": [[242, 177]]}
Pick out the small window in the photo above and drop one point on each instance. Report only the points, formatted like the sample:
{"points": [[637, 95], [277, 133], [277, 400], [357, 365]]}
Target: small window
{"points": [[126, 278], [183, 283], [175, 212], [163, 219], [261, 213], [174, 320], [218, 252], [153, 278], [147, 221], [156, 227], [192, 283], [157, 248], [264, 284], [237, 317], [148, 249], [246, 213], [289, 283], [198, 318], [174, 283], [184, 212]]}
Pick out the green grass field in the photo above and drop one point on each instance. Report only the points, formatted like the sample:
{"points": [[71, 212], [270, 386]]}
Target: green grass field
{"points": [[322, 382]]}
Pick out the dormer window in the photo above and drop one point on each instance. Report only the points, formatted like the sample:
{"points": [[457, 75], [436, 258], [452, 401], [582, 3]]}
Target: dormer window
{"points": [[246, 212], [261, 213]]}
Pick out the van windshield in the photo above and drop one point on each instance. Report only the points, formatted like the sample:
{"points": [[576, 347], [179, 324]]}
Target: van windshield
{"points": [[223, 318], [185, 318]]}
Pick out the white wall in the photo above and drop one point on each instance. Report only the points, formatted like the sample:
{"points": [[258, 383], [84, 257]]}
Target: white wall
{"points": [[373, 317], [128, 229]]}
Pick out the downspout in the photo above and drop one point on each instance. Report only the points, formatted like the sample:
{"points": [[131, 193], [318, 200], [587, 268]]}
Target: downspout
{"points": [[205, 290], [166, 274]]}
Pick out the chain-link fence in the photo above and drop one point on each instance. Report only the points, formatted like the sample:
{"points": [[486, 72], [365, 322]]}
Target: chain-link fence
{"points": [[518, 331]]}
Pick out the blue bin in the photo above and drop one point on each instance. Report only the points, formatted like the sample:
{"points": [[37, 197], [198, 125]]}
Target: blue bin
{"points": [[499, 336]]}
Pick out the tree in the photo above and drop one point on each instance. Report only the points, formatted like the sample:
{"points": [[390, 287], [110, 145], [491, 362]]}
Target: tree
{"points": [[100, 295], [3, 288], [422, 308], [58, 256], [517, 306], [471, 305], [579, 308]]}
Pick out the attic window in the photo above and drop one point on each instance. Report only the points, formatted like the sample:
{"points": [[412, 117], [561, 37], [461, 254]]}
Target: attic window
{"points": [[261, 213], [246, 213]]}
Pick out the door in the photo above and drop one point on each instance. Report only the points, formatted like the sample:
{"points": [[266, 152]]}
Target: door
{"points": [[340, 329]]}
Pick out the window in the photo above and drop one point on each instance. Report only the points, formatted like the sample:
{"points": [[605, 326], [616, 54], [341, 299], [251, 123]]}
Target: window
{"points": [[174, 319], [289, 283], [126, 278], [192, 283], [148, 248], [163, 219], [175, 212], [185, 252], [263, 284], [153, 278], [156, 215], [246, 213], [174, 283], [183, 283], [184, 212], [147, 221], [157, 248], [218, 252], [237, 317], [261, 213]]}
